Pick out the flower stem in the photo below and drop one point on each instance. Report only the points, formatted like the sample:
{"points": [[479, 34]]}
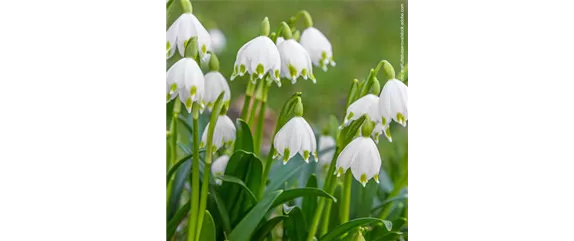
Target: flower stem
{"points": [[306, 17], [173, 132], [344, 208], [208, 157], [261, 122], [195, 175], [329, 187], [248, 94]]}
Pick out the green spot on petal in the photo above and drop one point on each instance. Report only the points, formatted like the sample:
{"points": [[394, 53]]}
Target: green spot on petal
{"points": [[242, 68], [276, 74], [384, 120], [185, 43], [260, 69], [188, 103], [400, 118], [168, 97], [292, 71], [286, 155], [203, 49], [304, 72], [324, 55], [193, 90], [377, 178], [363, 178], [210, 105], [173, 87], [306, 155], [340, 171]]}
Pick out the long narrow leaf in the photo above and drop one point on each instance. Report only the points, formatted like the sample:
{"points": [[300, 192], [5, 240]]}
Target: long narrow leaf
{"points": [[247, 225], [348, 226], [291, 194], [238, 181], [262, 232], [176, 220], [207, 228]]}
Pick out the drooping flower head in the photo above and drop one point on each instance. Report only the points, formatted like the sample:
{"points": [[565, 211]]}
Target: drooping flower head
{"points": [[258, 57], [365, 105], [295, 61], [362, 156], [218, 167], [215, 83], [218, 40], [393, 102], [296, 136], [318, 47], [179, 33], [184, 78], [223, 134]]}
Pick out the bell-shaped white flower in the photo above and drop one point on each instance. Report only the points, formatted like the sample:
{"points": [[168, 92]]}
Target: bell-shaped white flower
{"points": [[393, 102], [185, 79], [295, 61], [223, 134], [296, 136], [326, 143], [215, 83], [185, 27], [367, 104], [258, 57], [362, 156], [318, 47], [218, 40], [218, 167]]}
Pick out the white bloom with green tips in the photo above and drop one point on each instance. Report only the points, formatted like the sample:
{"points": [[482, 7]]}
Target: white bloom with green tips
{"points": [[296, 136], [362, 157], [179, 33], [367, 104], [393, 102], [215, 83], [184, 78], [295, 61], [223, 134], [381, 130], [218, 167], [318, 47], [257, 58]]}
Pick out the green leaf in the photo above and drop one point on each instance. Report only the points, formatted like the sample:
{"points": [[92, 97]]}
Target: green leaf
{"points": [[176, 220], [364, 198], [309, 203], [221, 209], [238, 181], [355, 223], [247, 167], [207, 228], [389, 201], [177, 188], [282, 173], [291, 194], [262, 232], [390, 236], [399, 223], [245, 228], [348, 133], [243, 140], [295, 225]]}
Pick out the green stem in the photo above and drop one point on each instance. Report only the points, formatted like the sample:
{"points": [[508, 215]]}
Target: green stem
{"points": [[208, 157], [344, 208], [307, 18], [248, 94], [267, 167], [251, 116], [195, 175], [329, 187], [173, 133], [261, 122]]}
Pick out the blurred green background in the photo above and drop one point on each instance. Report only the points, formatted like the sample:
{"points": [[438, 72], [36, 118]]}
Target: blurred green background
{"points": [[361, 32]]}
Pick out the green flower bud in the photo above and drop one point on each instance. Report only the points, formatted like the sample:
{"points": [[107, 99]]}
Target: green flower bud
{"points": [[186, 6], [376, 88], [213, 62], [191, 48], [285, 30], [367, 127], [298, 111], [265, 27]]}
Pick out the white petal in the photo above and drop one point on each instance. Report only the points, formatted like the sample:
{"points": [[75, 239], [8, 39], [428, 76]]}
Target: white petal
{"points": [[203, 38], [215, 83], [295, 56], [347, 156], [367, 162], [218, 166], [308, 142], [316, 44], [367, 104]]}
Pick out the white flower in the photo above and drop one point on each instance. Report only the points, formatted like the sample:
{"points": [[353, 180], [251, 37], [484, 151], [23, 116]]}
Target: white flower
{"points": [[296, 136], [218, 40], [367, 104], [184, 78], [393, 102], [224, 133], [258, 57], [279, 40], [185, 27], [318, 46], [295, 61], [379, 130], [218, 167], [362, 156], [215, 83], [326, 142]]}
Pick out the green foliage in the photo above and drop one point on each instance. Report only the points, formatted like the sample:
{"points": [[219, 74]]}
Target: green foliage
{"points": [[245, 228], [208, 228], [295, 225], [348, 226], [244, 140]]}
